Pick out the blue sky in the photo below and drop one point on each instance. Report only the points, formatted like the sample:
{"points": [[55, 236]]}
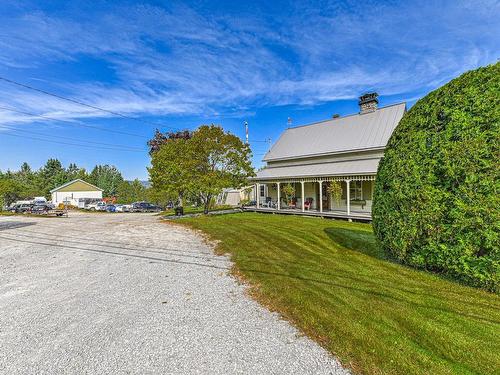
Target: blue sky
{"points": [[182, 64]]}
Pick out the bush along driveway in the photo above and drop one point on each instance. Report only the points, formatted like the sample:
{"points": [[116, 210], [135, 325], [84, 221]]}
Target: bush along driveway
{"points": [[332, 281]]}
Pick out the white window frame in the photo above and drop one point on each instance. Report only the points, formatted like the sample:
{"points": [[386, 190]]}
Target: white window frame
{"points": [[356, 190], [262, 192]]}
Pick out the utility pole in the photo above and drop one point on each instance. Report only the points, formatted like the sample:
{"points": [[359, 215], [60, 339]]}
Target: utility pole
{"points": [[246, 132]]}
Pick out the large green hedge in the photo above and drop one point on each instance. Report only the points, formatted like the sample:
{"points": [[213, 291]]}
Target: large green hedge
{"points": [[437, 202]]}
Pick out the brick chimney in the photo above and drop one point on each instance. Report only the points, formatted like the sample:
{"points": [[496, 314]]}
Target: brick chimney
{"points": [[368, 103]]}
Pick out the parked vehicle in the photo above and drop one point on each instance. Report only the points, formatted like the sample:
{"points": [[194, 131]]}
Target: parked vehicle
{"points": [[145, 207], [97, 206], [24, 208], [110, 208], [40, 209], [123, 207]]}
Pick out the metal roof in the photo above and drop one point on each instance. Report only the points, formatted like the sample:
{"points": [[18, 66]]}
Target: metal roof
{"points": [[350, 133], [340, 168]]}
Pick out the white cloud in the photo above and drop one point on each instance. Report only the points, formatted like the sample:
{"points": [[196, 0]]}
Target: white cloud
{"points": [[179, 61]]}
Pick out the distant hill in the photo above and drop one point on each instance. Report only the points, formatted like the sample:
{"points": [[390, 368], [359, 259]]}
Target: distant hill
{"points": [[144, 183]]}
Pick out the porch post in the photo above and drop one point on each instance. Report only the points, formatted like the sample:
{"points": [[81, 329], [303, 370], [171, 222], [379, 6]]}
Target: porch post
{"points": [[303, 197], [348, 184], [278, 184], [257, 193], [320, 196]]}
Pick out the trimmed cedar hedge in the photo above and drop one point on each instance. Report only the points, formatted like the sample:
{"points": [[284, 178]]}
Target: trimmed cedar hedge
{"points": [[437, 193]]}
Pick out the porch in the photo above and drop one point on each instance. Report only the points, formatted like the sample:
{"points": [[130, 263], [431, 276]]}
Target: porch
{"points": [[312, 197]]}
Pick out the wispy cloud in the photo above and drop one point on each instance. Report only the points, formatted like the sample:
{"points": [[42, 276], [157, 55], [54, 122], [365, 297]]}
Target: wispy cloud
{"points": [[182, 60]]}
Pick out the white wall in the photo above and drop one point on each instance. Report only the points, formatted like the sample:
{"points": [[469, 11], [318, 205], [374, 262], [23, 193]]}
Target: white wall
{"points": [[74, 197]]}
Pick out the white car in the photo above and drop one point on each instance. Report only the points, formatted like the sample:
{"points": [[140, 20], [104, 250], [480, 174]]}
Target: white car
{"points": [[98, 206], [123, 207]]}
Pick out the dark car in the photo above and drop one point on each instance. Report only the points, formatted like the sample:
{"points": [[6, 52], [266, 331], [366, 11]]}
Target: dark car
{"points": [[23, 208], [40, 209], [145, 207]]}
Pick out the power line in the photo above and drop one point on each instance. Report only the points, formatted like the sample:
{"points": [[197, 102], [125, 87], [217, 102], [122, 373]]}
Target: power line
{"points": [[82, 103], [73, 123], [63, 137], [68, 143]]}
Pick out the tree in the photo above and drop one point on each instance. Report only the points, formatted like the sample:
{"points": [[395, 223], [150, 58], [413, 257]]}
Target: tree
{"points": [[10, 191], [27, 180], [131, 191], [106, 177], [74, 172], [436, 200], [160, 138], [221, 159], [200, 166], [172, 170], [51, 175]]}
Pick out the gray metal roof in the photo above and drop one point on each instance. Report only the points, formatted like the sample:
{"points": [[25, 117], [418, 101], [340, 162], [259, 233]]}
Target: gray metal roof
{"points": [[340, 168], [343, 134]]}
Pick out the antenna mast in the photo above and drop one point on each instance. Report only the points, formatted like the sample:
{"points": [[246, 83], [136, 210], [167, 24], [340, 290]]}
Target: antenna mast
{"points": [[246, 132]]}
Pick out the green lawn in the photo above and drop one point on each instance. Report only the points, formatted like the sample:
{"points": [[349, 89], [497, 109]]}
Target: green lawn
{"points": [[331, 280]]}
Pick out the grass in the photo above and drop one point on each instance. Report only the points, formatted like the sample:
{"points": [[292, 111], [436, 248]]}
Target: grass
{"points": [[195, 210], [378, 317]]}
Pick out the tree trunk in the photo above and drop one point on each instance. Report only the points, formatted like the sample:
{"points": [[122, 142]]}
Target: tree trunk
{"points": [[207, 204]]}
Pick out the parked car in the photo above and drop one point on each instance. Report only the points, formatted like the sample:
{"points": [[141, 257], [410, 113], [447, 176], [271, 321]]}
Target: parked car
{"points": [[144, 207], [123, 207], [24, 208], [40, 209], [97, 206], [110, 208]]}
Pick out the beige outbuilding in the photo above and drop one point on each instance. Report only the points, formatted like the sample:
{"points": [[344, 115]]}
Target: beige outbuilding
{"points": [[76, 193]]}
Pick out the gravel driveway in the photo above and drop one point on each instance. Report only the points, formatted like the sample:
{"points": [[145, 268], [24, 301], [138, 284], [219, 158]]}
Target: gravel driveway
{"points": [[126, 293]]}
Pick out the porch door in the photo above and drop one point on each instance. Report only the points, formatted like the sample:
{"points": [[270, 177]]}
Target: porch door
{"points": [[326, 197]]}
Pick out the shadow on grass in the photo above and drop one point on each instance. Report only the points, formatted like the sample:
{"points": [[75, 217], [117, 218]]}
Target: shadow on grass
{"points": [[357, 240]]}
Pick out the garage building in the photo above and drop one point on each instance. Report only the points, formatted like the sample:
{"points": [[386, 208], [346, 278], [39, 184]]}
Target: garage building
{"points": [[76, 193]]}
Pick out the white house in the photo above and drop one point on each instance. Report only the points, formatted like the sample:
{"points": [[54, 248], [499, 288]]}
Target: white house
{"points": [[343, 149], [76, 193]]}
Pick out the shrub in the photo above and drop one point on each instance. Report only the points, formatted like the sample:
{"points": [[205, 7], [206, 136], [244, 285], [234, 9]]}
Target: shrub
{"points": [[436, 202]]}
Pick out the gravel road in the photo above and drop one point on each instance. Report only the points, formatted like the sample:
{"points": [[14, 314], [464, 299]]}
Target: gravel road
{"points": [[126, 293]]}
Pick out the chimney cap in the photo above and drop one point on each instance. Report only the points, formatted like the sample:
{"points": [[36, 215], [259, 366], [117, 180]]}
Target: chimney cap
{"points": [[368, 97]]}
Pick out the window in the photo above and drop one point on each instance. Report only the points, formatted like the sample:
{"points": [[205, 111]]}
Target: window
{"points": [[262, 190], [355, 190]]}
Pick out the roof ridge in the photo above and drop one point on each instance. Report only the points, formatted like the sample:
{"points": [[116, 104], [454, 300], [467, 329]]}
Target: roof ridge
{"points": [[343, 117]]}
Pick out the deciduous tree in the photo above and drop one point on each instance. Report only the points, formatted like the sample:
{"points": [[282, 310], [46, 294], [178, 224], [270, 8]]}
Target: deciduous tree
{"points": [[222, 160]]}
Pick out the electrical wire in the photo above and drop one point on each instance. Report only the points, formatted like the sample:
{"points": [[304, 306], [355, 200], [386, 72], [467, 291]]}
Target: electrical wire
{"points": [[68, 143], [82, 103], [70, 138], [73, 123]]}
